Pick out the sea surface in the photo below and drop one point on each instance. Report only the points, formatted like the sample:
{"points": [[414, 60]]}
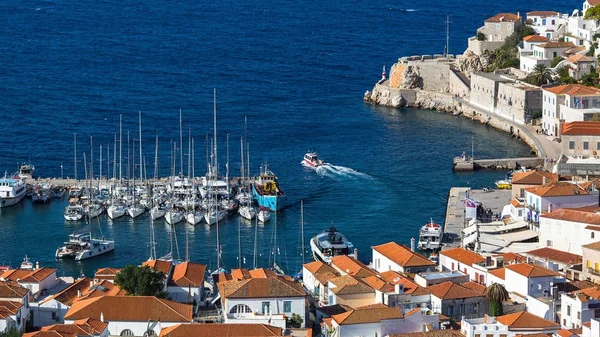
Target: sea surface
{"points": [[296, 69]]}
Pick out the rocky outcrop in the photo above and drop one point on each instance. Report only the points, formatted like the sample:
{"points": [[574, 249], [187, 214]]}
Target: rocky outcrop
{"points": [[469, 63], [386, 96], [404, 76]]}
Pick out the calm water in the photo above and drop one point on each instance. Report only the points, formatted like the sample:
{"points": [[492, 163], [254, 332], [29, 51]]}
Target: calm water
{"points": [[298, 70]]}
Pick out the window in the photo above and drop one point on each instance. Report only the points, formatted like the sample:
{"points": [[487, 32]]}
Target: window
{"points": [[571, 145], [450, 310], [597, 313], [554, 54], [553, 22], [579, 315], [588, 264], [126, 332], [592, 235], [583, 26], [474, 308], [596, 266], [497, 26], [586, 145], [266, 307], [287, 306], [598, 146], [568, 310], [461, 309], [240, 309], [149, 333]]}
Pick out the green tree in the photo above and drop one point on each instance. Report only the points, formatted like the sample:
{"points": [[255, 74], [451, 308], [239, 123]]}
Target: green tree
{"points": [[592, 13], [295, 322], [481, 36], [540, 75], [141, 281], [555, 61], [12, 332], [496, 294]]}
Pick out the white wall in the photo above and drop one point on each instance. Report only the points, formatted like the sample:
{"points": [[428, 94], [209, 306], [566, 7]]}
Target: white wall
{"points": [[447, 264], [383, 264], [566, 236], [138, 328], [180, 294], [539, 308], [276, 306]]}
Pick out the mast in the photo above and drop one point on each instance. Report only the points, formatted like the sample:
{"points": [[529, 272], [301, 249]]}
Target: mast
{"points": [[91, 160], [193, 160], [75, 152], [156, 159], [227, 167], [181, 142], [120, 148], [302, 228], [216, 175], [447, 35], [189, 151], [140, 135], [115, 158], [239, 242], [100, 164], [128, 162], [255, 241]]}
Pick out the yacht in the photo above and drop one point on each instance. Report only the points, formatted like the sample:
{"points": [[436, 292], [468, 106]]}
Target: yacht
{"points": [[12, 191], [330, 243], [116, 211], [311, 160], [83, 246], [158, 212], [74, 212], [174, 216], [430, 236], [26, 264], [194, 217], [93, 210], [26, 171]]}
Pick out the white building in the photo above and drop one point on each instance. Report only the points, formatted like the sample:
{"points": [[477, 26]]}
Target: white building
{"points": [[511, 325], [568, 229], [591, 328], [262, 301], [530, 279], [465, 261], [131, 315], [35, 280], [186, 284], [13, 315], [568, 103], [579, 307], [392, 256], [543, 53], [549, 24], [315, 276]]}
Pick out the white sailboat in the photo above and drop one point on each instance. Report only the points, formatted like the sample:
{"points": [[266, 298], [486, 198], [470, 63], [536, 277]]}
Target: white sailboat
{"points": [[117, 209], [136, 209], [264, 214], [246, 210]]}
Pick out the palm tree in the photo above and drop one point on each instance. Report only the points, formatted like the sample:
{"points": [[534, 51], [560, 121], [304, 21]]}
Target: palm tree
{"points": [[540, 75], [496, 294]]}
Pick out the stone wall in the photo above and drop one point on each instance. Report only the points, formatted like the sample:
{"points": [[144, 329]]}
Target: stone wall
{"points": [[477, 47], [457, 85]]}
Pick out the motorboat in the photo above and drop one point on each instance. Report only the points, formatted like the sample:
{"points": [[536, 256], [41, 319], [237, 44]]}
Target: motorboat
{"points": [[503, 184], [12, 191], [430, 236], [41, 194], [26, 171], [330, 243], [83, 246], [264, 214], [26, 264], [311, 160], [74, 212], [76, 191]]}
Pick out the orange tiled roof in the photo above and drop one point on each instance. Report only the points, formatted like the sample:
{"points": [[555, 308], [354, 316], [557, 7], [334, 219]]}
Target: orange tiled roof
{"points": [[432, 333], [525, 320], [262, 273], [103, 288], [106, 273], [71, 293], [378, 283], [10, 289], [557, 45], [83, 327], [543, 14], [395, 278], [188, 274], [8, 308], [535, 38], [240, 274], [556, 255], [463, 256], [593, 245], [531, 270], [586, 215], [130, 308], [511, 257], [450, 291], [516, 203], [477, 287], [533, 177], [28, 276], [557, 189], [351, 266], [587, 128], [221, 330], [367, 315], [261, 288], [576, 58], [573, 89], [160, 265], [348, 284], [402, 255], [499, 273], [564, 333], [504, 17]]}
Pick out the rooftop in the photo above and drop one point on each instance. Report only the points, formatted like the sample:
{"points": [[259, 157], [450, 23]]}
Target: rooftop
{"points": [[261, 288], [555, 255], [351, 266], [504, 17], [535, 38], [573, 89], [543, 14], [367, 315], [557, 189], [221, 330], [531, 270], [587, 128], [462, 255], [450, 291], [586, 215], [525, 320], [533, 177], [160, 265], [188, 274], [402, 255], [556, 45]]}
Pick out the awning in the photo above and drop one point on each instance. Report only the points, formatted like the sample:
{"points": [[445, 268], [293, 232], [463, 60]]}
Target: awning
{"points": [[518, 236]]}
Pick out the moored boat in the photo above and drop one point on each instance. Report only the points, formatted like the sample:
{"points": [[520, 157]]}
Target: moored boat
{"points": [[264, 215], [503, 184], [430, 236], [83, 246], [26, 171], [12, 191], [330, 243], [311, 160], [267, 193], [74, 212]]}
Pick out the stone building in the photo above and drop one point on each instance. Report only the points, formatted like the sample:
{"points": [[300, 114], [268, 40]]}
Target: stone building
{"points": [[519, 102], [495, 29]]}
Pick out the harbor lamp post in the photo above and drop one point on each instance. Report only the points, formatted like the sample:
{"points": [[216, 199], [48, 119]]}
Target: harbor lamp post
{"points": [[61, 170]]}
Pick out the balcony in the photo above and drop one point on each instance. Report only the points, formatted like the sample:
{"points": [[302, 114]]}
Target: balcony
{"points": [[593, 271]]}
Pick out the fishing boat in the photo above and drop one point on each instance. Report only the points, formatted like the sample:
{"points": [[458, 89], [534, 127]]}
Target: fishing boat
{"points": [[26, 264], [430, 236], [58, 192], [330, 243], [267, 192], [84, 246], [74, 212], [26, 171], [41, 194], [311, 160], [12, 191]]}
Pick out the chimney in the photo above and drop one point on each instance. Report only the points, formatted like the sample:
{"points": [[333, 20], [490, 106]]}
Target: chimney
{"points": [[78, 292], [356, 253], [37, 265], [101, 317], [91, 283], [549, 207], [544, 180]]}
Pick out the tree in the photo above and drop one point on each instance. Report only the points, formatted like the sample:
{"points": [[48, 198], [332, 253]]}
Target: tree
{"points": [[141, 281], [12, 332], [481, 36], [555, 61], [295, 322], [592, 13], [540, 75], [496, 294]]}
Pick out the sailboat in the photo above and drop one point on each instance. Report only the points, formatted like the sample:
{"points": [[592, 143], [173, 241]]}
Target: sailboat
{"points": [[264, 214], [214, 213], [136, 209], [246, 210], [117, 209]]}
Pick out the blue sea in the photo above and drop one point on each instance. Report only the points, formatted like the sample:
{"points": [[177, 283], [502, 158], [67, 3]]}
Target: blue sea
{"points": [[296, 69]]}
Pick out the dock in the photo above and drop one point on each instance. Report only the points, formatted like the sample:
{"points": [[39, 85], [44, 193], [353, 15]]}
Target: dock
{"points": [[498, 164]]}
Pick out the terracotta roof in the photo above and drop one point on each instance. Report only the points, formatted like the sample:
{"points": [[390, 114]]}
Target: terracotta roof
{"points": [[556, 255], [351, 266], [367, 315], [557, 45], [593, 2], [543, 14], [531, 270], [262, 273], [557, 189], [431, 333], [573, 89], [504, 17], [564, 333], [8, 308], [240, 274], [587, 128], [395, 278], [335, 309], [9, 289], [585, 215], [477, 287], [348, 284], [130, 308], [71, 293], [463, 256], [106, 273], [318, 267], [510, 258], [261, 288], [402, 255], [594, 246], [516, 203], [28, 276], [377, 283], [576, 58], [450, 291], [535, 38], [499, 273], [160, 265], [188, 274], [221, 330], [83, 327], [533, 177], [103, 288], [523, 320]]}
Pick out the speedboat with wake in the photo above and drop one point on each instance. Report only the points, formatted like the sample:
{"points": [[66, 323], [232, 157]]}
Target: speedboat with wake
{"points": [[311, 160], [330, 243]]}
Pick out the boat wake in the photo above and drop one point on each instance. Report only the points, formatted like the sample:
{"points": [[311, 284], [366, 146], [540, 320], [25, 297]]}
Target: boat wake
{"points": [[328, 170]]}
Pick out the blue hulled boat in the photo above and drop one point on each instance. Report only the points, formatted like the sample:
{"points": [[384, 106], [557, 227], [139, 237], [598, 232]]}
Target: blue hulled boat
{"points": [[267, 192]]}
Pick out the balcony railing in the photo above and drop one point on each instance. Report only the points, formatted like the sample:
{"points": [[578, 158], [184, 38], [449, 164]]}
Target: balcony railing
{"points": [[594, 271]]}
